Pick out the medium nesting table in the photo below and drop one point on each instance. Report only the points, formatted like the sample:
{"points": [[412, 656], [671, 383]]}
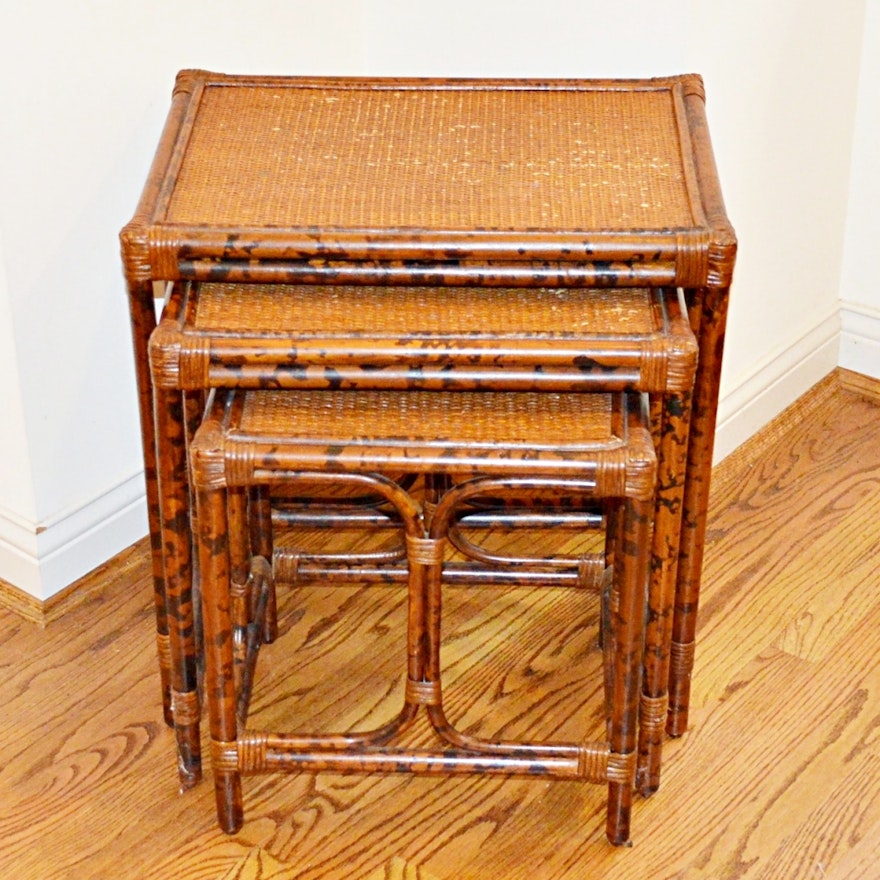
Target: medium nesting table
{"points": [[523, 185], [443, 339], [496, 443]]}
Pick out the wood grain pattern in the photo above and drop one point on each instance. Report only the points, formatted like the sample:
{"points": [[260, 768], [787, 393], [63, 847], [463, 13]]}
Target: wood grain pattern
{"points": [[777, 777]]}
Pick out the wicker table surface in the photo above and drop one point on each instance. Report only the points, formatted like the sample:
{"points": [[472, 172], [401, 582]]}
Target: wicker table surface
{"points": [[367, 336], [285, 178]]}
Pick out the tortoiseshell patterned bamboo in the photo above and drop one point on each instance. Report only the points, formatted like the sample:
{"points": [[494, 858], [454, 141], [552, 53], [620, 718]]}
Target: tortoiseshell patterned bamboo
{"points": [[559, 339], [672, 445], [242, 443], [173, 481], [615, 193], [190, 225], [222, 335], [709, 311], [143, 322]]}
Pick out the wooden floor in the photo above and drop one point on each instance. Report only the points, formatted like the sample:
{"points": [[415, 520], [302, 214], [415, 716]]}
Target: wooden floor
{"points": [[777, 779]]}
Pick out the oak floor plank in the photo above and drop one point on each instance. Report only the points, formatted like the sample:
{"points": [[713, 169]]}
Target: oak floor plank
{"points": [[814, 843], [772, 515], [778, 776], [860, 862]]}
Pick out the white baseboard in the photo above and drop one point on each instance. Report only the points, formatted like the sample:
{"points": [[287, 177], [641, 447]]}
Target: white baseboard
{"points": [[776, 383], [41, 559], [860, 339]]}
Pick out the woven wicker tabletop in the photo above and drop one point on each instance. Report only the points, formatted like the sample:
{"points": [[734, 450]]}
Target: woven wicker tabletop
{"points": [[533, 421], [378, 158], [263, 335], [292, 169], [430, 313]]}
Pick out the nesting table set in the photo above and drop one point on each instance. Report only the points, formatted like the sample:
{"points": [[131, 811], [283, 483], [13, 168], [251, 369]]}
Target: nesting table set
{"points": [[444, 296]]}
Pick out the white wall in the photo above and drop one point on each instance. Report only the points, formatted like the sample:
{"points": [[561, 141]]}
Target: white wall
{"points": [[859, 292], [526, 38], [85, 88], [781, 81], [17, 539]]}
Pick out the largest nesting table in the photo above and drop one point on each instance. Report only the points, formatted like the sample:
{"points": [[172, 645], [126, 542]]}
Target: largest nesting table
{"points": [[439, 183]]}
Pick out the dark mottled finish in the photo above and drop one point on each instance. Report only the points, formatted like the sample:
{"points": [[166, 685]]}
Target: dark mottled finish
{"points": [[192, 223], [709, 309], [195, 225], [177, 559], [321, 336], [671, 434], [241, 443], [143, 322], [550, 341], [260, 525]]}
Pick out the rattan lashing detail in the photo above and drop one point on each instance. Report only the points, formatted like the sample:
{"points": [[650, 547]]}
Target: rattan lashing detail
{"points": [[593, 762], [208, 459], [681, 657], [164, 248], [640, 471], [720, 260], [163, 648], [252, 751], [194, 363], [613, 479], [598, 764], [241, 460], [165, 355], [621, 767], [692, 85], [652, 712], [185, 706], [654, 364], [591, 570], [136, 254], [224, 755], [286, 567], [187, 80], [246, 755], [692, 260], [423, 693], [238, 589], [425, 551]]}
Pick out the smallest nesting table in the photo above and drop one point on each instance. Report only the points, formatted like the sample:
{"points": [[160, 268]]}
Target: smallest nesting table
{"points": [[596, 446]]}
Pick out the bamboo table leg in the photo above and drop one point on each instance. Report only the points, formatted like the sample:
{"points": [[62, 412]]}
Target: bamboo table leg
{"points": [[163, 433], [143, 321], [163, 439], [137, 264], [674, 422], [176, 541], [709, 315]]}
